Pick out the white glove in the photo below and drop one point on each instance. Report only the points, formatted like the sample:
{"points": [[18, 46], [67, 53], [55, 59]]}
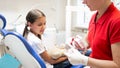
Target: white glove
{"points": [[75, 57]]}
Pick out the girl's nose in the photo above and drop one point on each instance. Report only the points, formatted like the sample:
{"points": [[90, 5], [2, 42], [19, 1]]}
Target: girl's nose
{"points": [[43, 26]]}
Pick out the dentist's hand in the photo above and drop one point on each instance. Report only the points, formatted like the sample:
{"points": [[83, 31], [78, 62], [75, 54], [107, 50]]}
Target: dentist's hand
{"points": [[75, 57], [77, 43]]}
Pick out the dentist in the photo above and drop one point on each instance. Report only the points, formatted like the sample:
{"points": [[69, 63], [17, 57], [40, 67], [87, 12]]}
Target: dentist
{"points": [[103, 37]]}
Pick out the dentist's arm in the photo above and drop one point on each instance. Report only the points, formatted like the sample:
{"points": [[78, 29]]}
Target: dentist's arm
{"points": [[75, 58], [95, 63]]}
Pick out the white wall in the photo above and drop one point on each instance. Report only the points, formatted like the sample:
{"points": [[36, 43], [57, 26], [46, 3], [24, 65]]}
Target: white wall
{"points": [[54, 10]]}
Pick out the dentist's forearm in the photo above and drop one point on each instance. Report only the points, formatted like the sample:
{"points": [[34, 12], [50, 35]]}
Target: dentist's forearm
{"points": [[95, 63]]}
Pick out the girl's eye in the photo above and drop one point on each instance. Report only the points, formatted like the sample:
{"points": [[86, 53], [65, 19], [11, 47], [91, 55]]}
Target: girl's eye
{"points": [[39, 24], [44, 23]]}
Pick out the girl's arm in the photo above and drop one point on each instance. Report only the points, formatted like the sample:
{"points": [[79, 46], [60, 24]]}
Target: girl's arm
{"points": [[49, 59]]}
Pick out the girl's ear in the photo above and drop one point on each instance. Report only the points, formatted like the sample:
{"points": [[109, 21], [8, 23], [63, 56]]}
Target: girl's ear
{"points": [[29, 24]]}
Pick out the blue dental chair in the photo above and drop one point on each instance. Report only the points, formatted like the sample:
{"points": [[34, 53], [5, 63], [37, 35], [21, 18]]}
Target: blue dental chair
{"points": [[21, 49]]}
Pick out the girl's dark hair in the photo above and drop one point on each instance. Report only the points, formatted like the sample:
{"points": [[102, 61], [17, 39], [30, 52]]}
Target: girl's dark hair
{"points": [[31, 17]]}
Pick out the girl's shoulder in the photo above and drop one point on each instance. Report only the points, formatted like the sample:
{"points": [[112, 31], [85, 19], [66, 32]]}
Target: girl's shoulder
{"points": [[32, 37]]}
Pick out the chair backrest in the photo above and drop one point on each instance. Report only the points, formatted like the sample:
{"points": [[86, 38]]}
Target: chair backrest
{"points": [[21, 49], [18, 45]]}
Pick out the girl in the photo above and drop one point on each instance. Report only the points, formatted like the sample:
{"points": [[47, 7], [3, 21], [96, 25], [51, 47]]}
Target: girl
{"points": [[36, 24]]}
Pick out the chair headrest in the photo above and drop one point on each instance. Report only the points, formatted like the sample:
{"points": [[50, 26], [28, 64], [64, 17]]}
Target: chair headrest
{"points": [[2, 22]]}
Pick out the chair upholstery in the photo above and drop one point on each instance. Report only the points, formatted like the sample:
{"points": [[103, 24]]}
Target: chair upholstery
{"points": [[77, 66]]}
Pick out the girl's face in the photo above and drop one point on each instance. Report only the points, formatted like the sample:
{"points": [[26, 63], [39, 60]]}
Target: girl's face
{"points": [[94, 4], [38, 26]]}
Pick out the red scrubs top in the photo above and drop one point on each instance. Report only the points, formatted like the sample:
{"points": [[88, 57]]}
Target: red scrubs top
{"points": [[104, 32]]}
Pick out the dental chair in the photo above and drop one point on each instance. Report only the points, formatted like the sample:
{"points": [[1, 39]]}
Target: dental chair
{"points": [[21, 49]]}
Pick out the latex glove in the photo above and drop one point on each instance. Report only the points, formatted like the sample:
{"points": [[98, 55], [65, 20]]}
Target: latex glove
{"points": [[75, 57]]}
